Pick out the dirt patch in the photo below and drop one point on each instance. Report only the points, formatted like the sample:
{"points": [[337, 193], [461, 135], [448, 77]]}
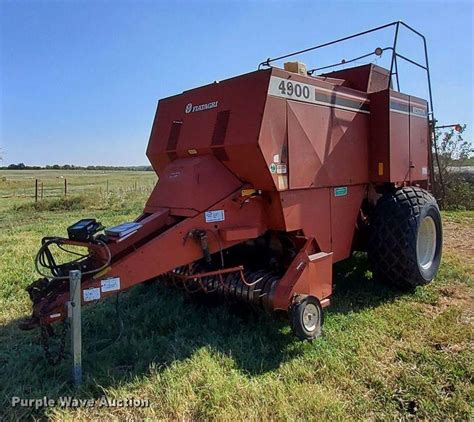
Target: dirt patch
{"points": [[458, 296], [459, 241]]}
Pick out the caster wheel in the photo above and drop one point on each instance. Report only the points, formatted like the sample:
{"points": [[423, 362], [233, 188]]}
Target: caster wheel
{"points": [[306, 318]]}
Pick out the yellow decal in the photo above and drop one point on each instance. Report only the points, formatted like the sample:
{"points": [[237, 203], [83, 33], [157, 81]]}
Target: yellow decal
{"points": [[248, 192], [282, 182], [380, 169]]}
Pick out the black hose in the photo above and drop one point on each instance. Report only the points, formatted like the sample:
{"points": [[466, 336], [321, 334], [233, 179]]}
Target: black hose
{"points": [[45, 259]]}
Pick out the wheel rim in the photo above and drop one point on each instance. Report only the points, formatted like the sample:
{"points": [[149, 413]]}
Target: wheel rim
{"points": [[310, 317], [426, 242]]}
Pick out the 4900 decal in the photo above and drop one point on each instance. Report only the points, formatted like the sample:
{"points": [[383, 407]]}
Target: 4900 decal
{"points": [[294, 88], [299, 91]]}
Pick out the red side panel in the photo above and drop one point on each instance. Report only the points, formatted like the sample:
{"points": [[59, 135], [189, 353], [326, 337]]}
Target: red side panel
{"points": [[379, 148], [327, 146], [222, 119], [418, 139], [273, 138], [309, 210], [194, 183], [399, 138], [344, 213], [366, 78]]}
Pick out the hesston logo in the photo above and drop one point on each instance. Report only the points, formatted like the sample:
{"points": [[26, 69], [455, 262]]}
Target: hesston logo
{"points": [[190, 108]]}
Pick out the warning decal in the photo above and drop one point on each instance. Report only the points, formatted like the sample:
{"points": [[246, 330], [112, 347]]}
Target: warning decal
{"points": [[91, 294], [213, 216], [110, 284]]}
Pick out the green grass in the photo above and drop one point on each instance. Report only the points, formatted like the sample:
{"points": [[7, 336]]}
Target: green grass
{"points": [[383, 355], [18, 186]]}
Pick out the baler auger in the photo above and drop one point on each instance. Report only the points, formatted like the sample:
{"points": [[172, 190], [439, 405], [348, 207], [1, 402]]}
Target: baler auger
{"points": [[265, 181]]}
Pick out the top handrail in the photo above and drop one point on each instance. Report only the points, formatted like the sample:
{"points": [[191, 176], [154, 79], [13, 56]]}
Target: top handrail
{"points": [[393, 70], [395, 55]]}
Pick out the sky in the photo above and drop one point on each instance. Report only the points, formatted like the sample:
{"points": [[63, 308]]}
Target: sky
{"points": [[80, 80]]}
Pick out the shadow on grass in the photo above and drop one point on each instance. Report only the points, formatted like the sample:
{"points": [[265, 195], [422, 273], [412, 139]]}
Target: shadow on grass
{"points": [[161, 326]]}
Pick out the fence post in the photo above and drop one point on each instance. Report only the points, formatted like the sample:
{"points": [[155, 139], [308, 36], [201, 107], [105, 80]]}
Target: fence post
{"points": [[65, 187], [76, 330], [42, 189], [36, 190]]}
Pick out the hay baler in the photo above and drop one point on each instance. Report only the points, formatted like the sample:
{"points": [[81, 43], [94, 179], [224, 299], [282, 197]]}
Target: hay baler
{"points": [[265, 181]]}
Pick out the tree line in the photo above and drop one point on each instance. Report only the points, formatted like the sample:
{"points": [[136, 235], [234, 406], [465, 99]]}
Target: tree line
{"points": [[22, 166]]}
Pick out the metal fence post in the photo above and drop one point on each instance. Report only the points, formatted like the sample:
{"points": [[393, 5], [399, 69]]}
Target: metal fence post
{"points": [[36, 190], [75, 317]]}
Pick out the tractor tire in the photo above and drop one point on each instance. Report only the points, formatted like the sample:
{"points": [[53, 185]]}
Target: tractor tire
{"points": [[406, 238], [306, 318]]}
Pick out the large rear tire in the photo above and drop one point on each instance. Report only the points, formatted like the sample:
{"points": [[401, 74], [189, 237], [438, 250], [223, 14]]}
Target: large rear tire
{"points": [[406, 238]]}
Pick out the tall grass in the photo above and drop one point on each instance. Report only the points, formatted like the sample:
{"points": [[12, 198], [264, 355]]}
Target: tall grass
{"points": [[383, 354]]}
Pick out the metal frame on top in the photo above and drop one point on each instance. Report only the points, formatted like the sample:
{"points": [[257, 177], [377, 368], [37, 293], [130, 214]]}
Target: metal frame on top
{"points": [[393, 72], [393, 49]]}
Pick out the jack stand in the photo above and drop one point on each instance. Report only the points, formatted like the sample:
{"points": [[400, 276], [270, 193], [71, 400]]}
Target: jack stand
{"points": [[74, 314]]}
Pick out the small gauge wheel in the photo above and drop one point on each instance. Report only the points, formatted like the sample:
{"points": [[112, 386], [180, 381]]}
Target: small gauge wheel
{"points": [[306, 318]]}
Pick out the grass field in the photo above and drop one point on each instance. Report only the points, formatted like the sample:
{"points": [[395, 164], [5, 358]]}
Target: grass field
{"points": [[383, 355], [19, 185]]}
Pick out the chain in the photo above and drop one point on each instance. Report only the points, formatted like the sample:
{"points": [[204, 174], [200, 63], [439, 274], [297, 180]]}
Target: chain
{"points": [[45, 337]]}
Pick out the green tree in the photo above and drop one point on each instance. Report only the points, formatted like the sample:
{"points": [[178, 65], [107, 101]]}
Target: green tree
{"points": [[453, 187]]}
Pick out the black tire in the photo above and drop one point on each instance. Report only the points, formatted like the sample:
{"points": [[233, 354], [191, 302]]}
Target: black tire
{"points": [[398, 250], [303, 327]]}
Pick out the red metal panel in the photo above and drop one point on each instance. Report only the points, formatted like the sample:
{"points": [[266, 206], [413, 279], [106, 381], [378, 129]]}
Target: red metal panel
{"points": [[367, 78], [309, 210], [344, 213], [233, 118], [379, 145], [231, 234], [273, 140], [193, 183], [307, 144], [327, 146], [418, 139], [399, 137]]}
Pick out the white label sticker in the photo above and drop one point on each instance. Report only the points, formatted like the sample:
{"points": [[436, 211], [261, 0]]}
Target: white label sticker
{"points": [[213, 216], [299, 91], [418, 110], [424, 171], [281, 168], [293, 90], [110, 284], [276, 158], [91, 294]]}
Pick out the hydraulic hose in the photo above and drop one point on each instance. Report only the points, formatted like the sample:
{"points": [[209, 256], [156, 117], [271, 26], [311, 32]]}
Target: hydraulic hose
{"points": [[44, 258]]}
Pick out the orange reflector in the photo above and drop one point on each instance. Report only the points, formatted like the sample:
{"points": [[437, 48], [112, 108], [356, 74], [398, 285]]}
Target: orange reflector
{"points": [[248, 192], [380, 169]]}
